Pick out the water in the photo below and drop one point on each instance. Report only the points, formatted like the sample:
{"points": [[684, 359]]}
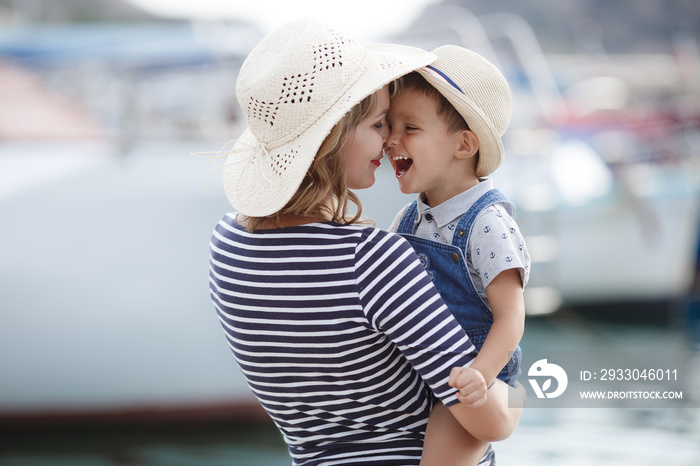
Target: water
{"points": [[176, 446], [104, 301]]}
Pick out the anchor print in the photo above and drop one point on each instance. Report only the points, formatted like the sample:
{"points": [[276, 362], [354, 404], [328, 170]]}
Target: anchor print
{"points": [[487, 229], [504, 236], [509, 259], [492, 255]]}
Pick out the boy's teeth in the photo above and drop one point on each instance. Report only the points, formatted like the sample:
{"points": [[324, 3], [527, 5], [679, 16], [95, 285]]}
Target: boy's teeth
{"points": [[401, 164]]}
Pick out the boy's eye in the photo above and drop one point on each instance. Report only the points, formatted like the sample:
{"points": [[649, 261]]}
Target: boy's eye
{"points": [[411, 128], [379, 125]]}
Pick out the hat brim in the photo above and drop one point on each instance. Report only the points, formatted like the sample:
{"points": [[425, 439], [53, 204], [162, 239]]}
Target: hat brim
{"points": [[491, 151], [259, 181]]}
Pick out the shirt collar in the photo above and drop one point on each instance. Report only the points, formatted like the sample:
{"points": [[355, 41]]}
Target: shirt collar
{"points": [[454, 207]]}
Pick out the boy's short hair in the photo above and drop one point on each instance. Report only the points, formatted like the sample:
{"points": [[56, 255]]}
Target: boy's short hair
{"points": [[445, 110]]}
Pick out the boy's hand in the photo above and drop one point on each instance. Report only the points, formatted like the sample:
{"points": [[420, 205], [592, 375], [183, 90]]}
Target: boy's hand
{"points": [[470, 384]]}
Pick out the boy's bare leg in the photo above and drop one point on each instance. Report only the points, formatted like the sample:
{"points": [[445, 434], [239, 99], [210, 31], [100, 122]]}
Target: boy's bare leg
{"points": [[447, 443]]}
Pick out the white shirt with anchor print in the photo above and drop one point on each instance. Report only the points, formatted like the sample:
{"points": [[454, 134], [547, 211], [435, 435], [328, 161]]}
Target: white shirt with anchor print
{"points": [[495, 243]]}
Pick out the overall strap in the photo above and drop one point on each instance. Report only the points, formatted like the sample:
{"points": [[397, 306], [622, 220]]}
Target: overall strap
{"points": [[408, 221], [461, 234]]}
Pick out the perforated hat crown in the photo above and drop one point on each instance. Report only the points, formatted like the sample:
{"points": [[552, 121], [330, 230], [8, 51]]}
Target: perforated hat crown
{"points": [[295, 85], [291, 89], [480, 93]]}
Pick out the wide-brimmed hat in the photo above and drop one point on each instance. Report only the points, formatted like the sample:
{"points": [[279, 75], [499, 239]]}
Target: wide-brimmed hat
{"points": [[480, 93], [295, 85]]}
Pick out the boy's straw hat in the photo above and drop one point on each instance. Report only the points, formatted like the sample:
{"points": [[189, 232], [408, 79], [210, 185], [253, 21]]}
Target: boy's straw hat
{"points": [[480, 93], [295, 85]]}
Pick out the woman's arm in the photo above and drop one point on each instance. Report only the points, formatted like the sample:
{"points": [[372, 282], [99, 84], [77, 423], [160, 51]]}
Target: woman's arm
{"points": [[400, 301]]}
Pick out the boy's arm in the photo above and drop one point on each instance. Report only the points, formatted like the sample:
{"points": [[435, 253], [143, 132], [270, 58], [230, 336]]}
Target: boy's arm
{"points": [[505, 295], [486, 414], [494, 420]]}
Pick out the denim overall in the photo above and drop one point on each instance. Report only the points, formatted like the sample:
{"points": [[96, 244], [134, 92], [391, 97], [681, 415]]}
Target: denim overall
{"points": [[447, 266]]}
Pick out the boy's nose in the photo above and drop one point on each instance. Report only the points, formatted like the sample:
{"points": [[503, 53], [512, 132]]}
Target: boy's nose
{"points": [[390, 140]]}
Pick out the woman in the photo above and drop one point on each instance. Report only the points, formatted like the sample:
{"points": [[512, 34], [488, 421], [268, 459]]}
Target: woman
{"points": [[337, 328]]}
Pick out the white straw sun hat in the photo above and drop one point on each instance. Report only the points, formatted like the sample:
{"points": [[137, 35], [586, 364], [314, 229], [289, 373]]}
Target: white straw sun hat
{"points": [[480, 93], [295, 85]]}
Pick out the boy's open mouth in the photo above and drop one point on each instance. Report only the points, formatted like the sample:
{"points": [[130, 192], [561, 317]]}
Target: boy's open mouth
{"points": [[401, 164]]}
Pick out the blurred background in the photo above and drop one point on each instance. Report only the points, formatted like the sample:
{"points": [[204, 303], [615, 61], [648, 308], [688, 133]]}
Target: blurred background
{"points": [[110, 352]]}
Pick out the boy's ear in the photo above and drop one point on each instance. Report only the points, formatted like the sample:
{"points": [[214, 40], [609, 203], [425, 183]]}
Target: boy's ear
{"points": [[468, 144]]}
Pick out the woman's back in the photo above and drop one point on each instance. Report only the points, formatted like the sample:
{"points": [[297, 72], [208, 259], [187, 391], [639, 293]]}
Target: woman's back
{"points": [[336, 327]]}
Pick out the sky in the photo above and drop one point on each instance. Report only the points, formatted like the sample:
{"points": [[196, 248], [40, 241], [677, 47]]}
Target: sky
{"points": [[364, 20]]}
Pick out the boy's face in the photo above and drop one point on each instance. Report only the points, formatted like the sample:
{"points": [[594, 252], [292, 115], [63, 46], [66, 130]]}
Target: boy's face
{"points": [[423, 152]]}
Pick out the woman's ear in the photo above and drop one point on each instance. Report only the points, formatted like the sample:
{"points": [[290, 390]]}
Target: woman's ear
{"points": [[468, 144]]}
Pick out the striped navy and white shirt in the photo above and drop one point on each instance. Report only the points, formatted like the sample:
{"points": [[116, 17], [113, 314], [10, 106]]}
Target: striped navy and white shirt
{"points": [[341, 336]]}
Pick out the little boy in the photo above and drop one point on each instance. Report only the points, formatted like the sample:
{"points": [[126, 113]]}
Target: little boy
{"points": [[446, 125]]}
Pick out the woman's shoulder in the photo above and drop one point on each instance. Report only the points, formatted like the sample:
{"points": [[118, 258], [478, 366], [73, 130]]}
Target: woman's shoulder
{"points": [[383, 249], [363, 236], [228, 223], [372, 234], [355, 232]]}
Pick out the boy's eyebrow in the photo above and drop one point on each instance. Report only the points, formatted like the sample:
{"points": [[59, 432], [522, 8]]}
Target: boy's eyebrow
{"points": [[412, 115]]}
